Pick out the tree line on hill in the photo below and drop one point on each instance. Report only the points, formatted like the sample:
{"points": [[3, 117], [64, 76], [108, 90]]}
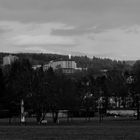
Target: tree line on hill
{"points": [[51, 91], [82, 61]]}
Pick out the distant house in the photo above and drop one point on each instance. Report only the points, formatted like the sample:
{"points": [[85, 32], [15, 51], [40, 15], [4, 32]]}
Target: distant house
{"points": [[35, 67], [8, 60]]}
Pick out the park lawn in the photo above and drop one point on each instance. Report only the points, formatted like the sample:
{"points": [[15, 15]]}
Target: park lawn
{"points": [[93, 130]]}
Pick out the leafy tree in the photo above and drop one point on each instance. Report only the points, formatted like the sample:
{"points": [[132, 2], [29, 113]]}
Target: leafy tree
{"points": [[39, 98], [18, 84], [136, 72], [61, 93], [2, 86], [117, 83], [2, 90]]}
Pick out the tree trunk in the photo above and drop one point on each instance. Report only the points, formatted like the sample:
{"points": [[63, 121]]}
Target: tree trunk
{"points": [[124, 102], [138, 107], [38, 116], [106, 105], [55, 116]]}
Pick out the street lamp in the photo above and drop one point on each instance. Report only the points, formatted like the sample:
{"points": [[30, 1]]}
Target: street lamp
{"points": [[100, 107], [22, 112]]}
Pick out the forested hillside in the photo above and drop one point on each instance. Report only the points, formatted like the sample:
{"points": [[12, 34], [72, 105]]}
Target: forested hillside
{"points": [[82, 61], [52, 90]]}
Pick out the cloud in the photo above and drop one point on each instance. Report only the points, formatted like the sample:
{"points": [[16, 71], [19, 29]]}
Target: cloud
{"points": [[104, 13], [17, 33], [75, 31], [41, 40], [117, 43], [32, 26]]}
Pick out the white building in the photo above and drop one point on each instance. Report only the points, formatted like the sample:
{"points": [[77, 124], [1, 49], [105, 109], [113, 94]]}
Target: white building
{"points": [[66, 66], [8, 60]]}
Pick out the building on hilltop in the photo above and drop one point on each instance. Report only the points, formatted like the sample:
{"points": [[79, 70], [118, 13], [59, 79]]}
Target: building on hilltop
{"points": [[67, 67], [8, 60]]}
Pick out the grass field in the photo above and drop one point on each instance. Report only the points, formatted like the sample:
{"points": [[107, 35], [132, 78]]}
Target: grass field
{"points": [[109, 129]]}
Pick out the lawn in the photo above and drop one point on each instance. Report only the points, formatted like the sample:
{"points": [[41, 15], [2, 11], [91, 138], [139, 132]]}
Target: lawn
{"points": [[109, 129]]}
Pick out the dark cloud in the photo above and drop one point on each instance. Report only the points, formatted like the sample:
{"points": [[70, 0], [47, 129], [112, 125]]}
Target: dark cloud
{"points": [[76, 12], [2, 31], [71, 32]]}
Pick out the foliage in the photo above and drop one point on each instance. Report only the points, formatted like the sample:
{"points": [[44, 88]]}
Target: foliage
{"points": [[51, 91]]}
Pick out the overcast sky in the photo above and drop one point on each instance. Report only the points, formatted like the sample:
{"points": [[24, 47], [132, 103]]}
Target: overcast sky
{"points": [[104, 28]]}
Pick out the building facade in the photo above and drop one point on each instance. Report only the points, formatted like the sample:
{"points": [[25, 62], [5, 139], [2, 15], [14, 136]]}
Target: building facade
{"points": [[66, 66], [8, 60]]}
